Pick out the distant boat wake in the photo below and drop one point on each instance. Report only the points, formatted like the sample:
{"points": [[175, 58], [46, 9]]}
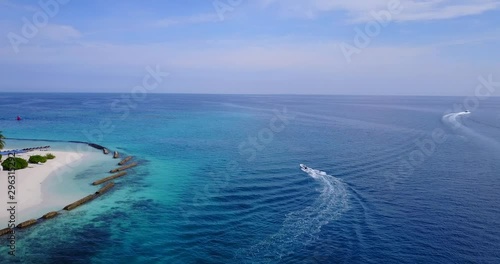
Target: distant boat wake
{"points": [[301, 227], [453, 120]]}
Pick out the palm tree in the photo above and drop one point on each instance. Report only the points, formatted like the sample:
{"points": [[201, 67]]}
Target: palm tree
{"points": [[2, 143]]}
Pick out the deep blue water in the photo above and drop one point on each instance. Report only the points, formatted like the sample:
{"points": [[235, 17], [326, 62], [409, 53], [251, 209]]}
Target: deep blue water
{"points": [[220, 181]]}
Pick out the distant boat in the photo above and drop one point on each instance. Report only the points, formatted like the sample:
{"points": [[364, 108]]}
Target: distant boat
{"points": [[467, 112], [18, 118]]}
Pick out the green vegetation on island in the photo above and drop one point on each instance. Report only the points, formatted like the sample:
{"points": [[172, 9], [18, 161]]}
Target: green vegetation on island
{"points": [[12, 163], [2, 142], [35, 159], [19, 163]]}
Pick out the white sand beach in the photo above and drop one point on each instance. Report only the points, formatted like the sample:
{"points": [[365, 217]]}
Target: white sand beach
{"points": [[29, 181]]}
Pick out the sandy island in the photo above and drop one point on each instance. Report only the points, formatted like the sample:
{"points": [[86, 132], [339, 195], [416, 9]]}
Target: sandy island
{"points": [[29, 181]]}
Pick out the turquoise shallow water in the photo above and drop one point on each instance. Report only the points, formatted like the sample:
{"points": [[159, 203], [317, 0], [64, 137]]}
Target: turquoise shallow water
{"points": [[219, 180]]}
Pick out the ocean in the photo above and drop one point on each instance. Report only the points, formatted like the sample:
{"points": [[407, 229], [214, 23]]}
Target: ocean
{"points": [[390, 179]]}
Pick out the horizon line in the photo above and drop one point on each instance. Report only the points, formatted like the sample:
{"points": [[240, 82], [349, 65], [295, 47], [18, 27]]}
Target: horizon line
{"points": [[252, 94]]}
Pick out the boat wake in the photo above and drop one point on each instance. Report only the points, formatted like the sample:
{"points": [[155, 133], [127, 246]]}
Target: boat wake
{"points": [[453, 120], [300, 228]]}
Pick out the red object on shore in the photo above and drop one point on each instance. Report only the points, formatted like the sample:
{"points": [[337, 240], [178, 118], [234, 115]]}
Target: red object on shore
{"points": [[18, 118]]}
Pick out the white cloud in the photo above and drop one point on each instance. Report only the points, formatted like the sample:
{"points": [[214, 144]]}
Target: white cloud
{"points": [[188, 20], [59, 33], [14, 5], [436, 12], [359, 10]]}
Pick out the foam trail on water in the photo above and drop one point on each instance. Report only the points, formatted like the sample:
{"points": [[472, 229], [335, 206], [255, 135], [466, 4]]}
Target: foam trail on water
{"points": [[301, 227], [453, 120]]}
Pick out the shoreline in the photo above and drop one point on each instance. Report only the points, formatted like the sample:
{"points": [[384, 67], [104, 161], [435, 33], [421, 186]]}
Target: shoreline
{"points": [[30, 195], [93, 145]]}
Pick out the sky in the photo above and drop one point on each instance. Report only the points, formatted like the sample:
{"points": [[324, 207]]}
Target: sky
{"points": [[356, 47]]}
